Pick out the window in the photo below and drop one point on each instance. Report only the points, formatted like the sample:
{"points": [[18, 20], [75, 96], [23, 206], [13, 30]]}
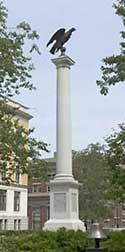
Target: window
{"points": [[1, 224], [17, 175], [48, 213], [36, 188], [5, 224], [15, 224], [19, 224], [36, 219], [3, 200], [51, 175], [39, 189], [123, 207], [16, 201], [48, 188]]}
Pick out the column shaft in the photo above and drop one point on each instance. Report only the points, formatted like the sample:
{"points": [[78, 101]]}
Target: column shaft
{"points": [[64, 146]]}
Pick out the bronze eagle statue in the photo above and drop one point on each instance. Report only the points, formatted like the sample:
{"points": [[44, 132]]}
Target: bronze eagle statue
{"points": [[60, 37]]}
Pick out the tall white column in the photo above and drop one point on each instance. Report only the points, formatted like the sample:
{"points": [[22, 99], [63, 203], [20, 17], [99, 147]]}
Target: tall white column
{"points": [[63, 121], [64, 207]]}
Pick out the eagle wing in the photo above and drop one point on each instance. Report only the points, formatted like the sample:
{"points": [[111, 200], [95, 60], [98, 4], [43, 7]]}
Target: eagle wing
{"points": [[56, 36]]}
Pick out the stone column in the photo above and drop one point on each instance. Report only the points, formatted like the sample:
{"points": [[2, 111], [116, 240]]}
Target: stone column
{"points": [[64, 207], [63, 120]]}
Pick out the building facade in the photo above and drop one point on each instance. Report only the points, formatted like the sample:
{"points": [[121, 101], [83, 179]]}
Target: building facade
{"points": [[38, 204], [39, 198], [13, 197]]}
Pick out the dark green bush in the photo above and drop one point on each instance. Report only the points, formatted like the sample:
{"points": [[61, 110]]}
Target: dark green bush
{"points": [[42, 241], [71, 241], [116, 242], [60, 241]]}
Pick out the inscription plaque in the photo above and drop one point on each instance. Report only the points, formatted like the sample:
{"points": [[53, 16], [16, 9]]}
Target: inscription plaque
{"points": [[74, 202], [59, 202]]}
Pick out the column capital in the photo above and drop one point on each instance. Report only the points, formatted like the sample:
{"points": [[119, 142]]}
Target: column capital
{"points": [[63, 61]]}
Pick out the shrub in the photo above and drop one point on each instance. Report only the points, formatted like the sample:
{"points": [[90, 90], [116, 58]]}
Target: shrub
{"points": [[116, 242], [60, 241]]}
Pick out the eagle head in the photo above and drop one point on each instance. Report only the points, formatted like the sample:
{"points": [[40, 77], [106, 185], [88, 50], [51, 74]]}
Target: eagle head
{"points": [[73, 29]]}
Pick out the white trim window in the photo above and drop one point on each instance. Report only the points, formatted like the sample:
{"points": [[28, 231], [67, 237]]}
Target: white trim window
{"points": [[16, 201], [3, 200]]}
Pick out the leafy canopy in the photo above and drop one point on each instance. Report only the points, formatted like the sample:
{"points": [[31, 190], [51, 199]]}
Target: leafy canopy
{"points": [[113, 69], [113, 72], [116, 161], [92, 171], [16, 47]]}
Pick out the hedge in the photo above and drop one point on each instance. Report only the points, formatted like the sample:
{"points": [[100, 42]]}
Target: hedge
{"points": [[60, 241]]}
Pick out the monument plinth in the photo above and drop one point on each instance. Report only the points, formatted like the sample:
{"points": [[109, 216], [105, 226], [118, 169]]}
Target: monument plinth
{"points": [[64, 209]]}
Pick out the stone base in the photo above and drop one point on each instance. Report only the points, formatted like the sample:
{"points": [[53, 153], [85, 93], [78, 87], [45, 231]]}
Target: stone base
{"points": [[67, 224], [64, 207]]}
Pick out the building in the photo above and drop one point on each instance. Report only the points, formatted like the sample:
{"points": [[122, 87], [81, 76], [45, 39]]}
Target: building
{"points": [[118, 217], [38, 197], [39, 200], [38, 204], [13, 197]]}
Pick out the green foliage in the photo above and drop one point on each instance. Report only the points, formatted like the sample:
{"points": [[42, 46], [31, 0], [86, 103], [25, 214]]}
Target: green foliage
{"points": [[59, 241], [70, 241], [38, 169], [92, 171], [116, 144], [116, 242], [16, 63], [43, 241], [113, 70], [16, 144], [116, 160]]}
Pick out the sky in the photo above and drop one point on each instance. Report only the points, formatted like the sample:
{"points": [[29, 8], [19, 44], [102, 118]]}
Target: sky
{"points": [[97, 35]]}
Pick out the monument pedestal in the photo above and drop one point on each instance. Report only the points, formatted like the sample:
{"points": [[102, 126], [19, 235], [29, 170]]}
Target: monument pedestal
{"points": [[64, 210], [64, 207]]}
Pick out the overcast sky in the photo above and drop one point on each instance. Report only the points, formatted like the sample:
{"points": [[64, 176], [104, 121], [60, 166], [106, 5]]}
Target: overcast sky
{"points": [[97, 36]]}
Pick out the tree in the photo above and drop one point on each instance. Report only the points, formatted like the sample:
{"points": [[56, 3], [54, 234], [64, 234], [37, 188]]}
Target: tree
{"points": [[38, 169], [16, 144], [116, 160], [92, 171], [113, 70], [16, 64]]}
